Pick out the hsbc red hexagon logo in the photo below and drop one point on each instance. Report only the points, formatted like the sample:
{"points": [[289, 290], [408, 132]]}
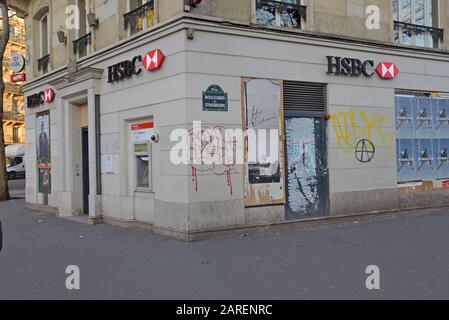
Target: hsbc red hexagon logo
{"points": [[38, 99], [153, 60], [48, 95], [387, 70]]}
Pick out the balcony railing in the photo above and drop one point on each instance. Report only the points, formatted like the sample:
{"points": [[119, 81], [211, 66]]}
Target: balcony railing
{"points": [[43, 63], [130, 18], [279, 13], [411, 29], [80, 44]]}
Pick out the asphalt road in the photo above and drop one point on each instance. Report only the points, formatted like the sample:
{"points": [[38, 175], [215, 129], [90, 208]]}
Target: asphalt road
{"points": [[411, 251]]}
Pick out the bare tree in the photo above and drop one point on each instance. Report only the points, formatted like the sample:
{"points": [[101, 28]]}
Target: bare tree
{"points": [[4, 190]]}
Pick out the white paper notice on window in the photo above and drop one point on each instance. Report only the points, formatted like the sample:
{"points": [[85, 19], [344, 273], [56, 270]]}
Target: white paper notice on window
{"points": [[142, 132]]}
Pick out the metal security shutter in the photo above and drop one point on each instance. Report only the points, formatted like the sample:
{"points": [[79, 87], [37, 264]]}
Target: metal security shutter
{"points": [[304, 97]]}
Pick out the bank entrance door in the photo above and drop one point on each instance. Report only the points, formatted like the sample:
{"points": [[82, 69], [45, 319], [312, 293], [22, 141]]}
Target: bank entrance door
{"points": [[85, 155]]}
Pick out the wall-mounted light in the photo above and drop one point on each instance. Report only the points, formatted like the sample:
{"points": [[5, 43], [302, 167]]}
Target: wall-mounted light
{"points": [[62, 38], [92, 20]]}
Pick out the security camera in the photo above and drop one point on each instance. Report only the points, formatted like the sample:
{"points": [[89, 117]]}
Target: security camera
{"points": [[155, 138]]}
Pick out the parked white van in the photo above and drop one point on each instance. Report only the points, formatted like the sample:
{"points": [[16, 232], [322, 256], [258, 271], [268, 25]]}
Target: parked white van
{"points": [[15, 162]]}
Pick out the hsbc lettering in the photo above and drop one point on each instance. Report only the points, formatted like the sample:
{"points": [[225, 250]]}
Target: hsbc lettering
{"points": [[152, 61], [38, 99], [355, 67], [124, 70], [349, 67]]}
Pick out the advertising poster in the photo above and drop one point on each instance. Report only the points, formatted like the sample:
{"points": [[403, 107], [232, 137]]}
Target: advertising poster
{"points": [[264, 159], [425, 159], [441, 108], [442, 161], [406, 160], [423, 116], [43, 141], [404, 117], [422, 124], [44, 181]]}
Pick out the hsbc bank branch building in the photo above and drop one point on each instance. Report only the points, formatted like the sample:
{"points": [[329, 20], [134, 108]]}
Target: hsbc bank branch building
{"points": [[359, 128]]}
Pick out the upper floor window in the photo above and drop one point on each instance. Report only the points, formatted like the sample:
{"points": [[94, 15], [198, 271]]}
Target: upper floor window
{"points": [[83, 41], [15, 135], [44, 43], [416, 23], [14, 104], [140, 15], [43, 61], [285, 13]]}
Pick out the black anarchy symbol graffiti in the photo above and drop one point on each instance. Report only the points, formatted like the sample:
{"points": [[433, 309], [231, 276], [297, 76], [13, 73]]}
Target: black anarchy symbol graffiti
{"points": [[365, 151]]}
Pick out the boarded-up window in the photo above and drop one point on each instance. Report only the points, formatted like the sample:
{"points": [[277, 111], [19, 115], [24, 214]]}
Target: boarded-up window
{"points": [[264, 155]]}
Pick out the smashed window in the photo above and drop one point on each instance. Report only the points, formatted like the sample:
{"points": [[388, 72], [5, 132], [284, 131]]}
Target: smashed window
{"points": [[286, 13]]}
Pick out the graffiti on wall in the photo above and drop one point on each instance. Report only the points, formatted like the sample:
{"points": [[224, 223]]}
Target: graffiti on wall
{"points": [[361, 133], [365, 151], [207, 145]]}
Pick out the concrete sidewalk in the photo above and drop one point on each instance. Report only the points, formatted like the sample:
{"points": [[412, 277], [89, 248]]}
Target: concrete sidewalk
{"points": [[317, 263]]}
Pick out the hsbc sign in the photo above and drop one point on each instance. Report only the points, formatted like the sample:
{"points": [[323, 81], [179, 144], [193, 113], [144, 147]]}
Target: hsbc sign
{"points": [[355, 67], [152, 61], [387, 70], [124, 70], [38, 99]]}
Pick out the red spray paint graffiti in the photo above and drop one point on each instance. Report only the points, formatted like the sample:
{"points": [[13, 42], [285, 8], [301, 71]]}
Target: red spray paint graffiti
{"points": [[213, 143]]}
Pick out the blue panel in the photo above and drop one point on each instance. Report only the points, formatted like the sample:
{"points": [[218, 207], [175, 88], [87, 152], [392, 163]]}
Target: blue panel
{"points": [[404, 117], [441, 107], [423, 138], [406, 160], [442, 162], [423, 117], [425, 159]]}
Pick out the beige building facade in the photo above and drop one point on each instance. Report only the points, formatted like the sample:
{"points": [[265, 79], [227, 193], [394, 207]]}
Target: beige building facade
{"points": [[348, 101], [13, 100]]}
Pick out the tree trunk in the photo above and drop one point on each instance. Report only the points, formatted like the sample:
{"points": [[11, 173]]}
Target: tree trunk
{"points": [[4, 190]]}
